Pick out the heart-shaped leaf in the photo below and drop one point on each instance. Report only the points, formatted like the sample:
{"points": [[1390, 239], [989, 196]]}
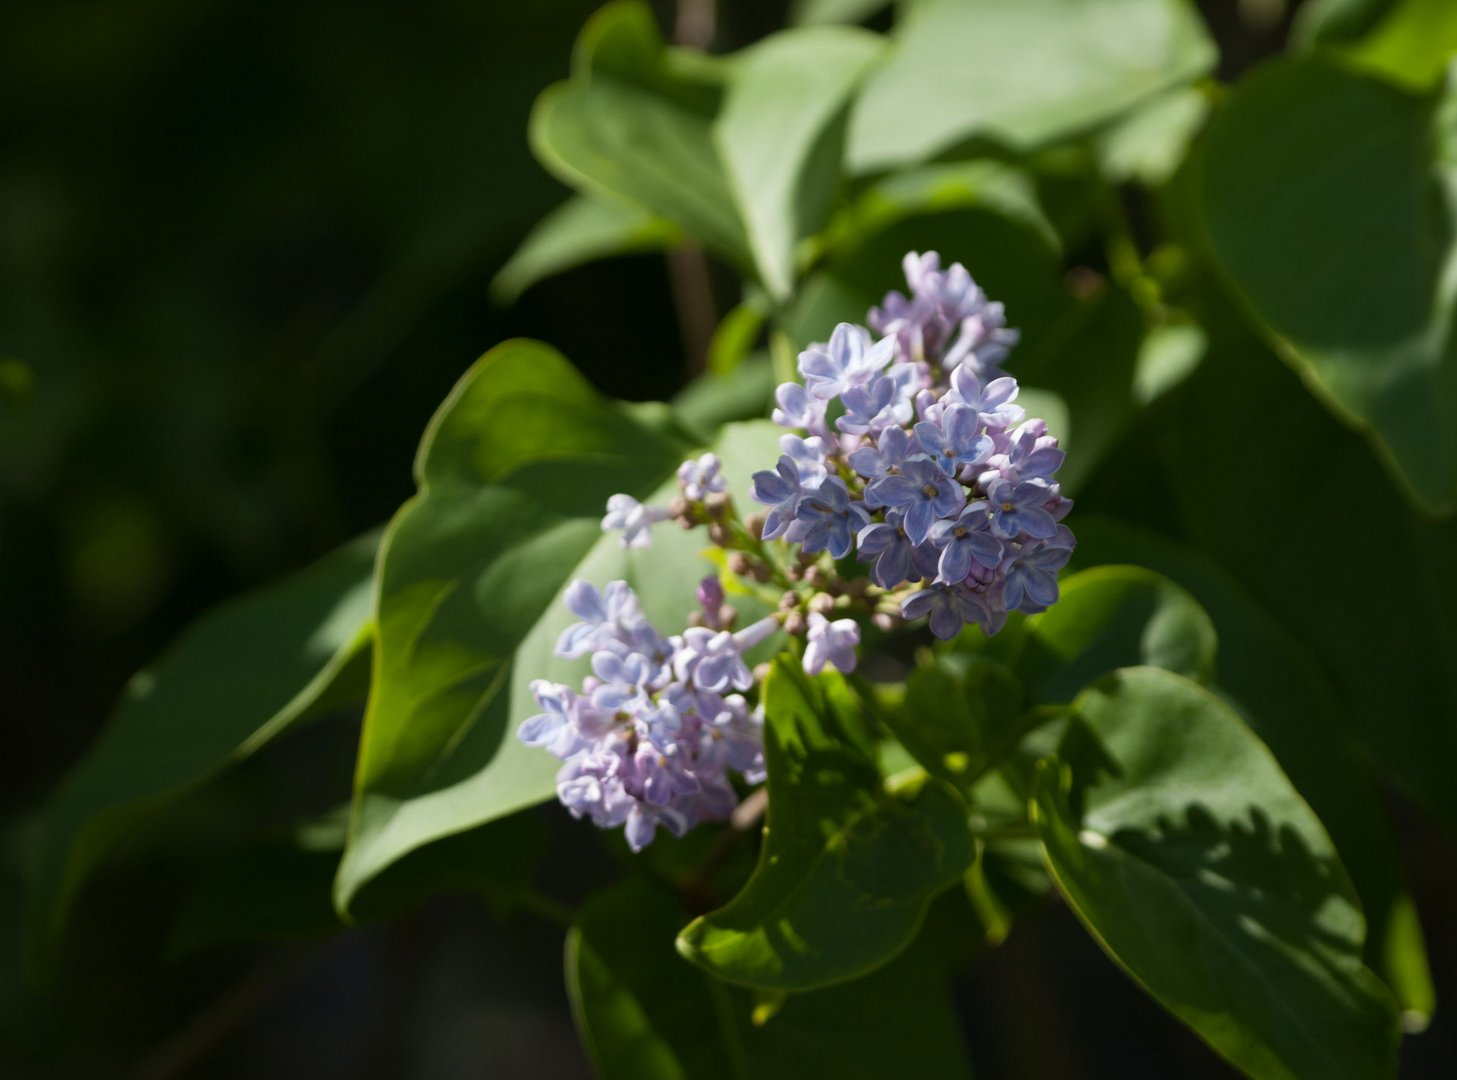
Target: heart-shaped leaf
{"points": [[514, 472], [1193, 860]]}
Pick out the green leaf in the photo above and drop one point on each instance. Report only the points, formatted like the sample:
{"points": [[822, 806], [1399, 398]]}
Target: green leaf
{"points": [[1108, 618], [233, 682], [1089, 360], [635, 122], [1298, 211], [1022, 74], [1411, 45], [514, 472], [1277, 684], [846, 871], [960, 715], [1195, 863], [712, 400], [1150, 142], [781, 134], [582, 229], [938, 189], [644, 1015]]}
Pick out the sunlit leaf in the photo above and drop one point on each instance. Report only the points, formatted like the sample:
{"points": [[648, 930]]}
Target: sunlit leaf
{"points": [[1226, 901], [1022, 74], [1312, 176]]}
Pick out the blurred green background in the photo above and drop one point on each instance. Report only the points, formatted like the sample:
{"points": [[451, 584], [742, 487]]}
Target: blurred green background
{"points": [[245, 251]]}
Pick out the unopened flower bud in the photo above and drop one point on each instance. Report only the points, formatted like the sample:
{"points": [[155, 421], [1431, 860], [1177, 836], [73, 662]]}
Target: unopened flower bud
{"points": [[789, 601], [794, 624], [887, 621], [816, 576], [754, 523], [716, 503], [740, 563], [821, 602], [727, 616], [719, 534], [761, 572]]}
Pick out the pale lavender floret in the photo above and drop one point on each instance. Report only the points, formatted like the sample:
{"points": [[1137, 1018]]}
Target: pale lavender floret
{"points": [[868, 408], [610, 615], [950, 607], [659, 775], [808, 456], [555, 728], [1031, 454], [885, 458], [887, 544], [831, 643], [634, 519], [850, 359], [1031, 572], [943, 303], [700, 477], [963, 541], [827, 520], [710, 660], [780, 490], [734, 739], [643, 821], [625, 679], [1020, 508], [993, 400], [957, 442], [798, 408], [983, 341], [923, 490]]}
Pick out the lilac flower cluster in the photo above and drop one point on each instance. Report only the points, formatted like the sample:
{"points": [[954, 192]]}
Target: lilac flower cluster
{"points": [[916, 457], [652, 734]]}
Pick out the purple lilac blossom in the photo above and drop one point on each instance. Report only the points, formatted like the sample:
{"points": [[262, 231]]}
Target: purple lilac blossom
{"points": [[850, 359], [808, 456], [647, 743], [700, 477], [634, 519], [958, 441], [830, 643], [923, 490], [780, 490], [827, 520]]}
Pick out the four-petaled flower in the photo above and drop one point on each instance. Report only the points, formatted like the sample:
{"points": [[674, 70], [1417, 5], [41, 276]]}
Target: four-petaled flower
{"points": [[827, 520], [923, 490], [780, 490], [963, 541], [959, 440], [849, 360]]}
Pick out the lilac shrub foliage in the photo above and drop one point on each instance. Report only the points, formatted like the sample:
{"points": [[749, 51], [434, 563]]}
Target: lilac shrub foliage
{"points": [[908, 451]]}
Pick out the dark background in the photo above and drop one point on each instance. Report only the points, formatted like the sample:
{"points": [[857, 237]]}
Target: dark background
{"points": [[245, 251]]}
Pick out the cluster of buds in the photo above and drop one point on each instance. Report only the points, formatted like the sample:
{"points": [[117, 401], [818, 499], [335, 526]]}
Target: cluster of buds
{"points": [[907, 451]]}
